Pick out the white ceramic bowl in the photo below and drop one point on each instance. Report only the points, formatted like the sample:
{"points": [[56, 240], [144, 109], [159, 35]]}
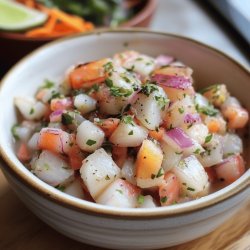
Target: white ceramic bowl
{"points": [[106, 226]]}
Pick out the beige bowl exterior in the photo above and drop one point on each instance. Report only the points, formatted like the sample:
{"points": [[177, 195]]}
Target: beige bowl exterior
{"points": [[106, 226]]}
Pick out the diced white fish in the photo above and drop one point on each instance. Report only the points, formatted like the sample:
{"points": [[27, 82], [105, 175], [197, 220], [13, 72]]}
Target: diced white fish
{"points": [[84, 103], [231, 144], [98, 171], [119, 193], [75, 189], [30, 108], [192, 176], [52, 169], [89, 137], [128, 135], [128, 171]]}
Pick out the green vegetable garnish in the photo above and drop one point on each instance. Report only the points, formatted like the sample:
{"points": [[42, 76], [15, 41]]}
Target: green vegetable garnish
{"points": [[140, 199], [67, 119], [160, 173], [148, 88], [127, 119], [164, 199], [90, 142], [208, 138], [48, 84], [131, 132]]}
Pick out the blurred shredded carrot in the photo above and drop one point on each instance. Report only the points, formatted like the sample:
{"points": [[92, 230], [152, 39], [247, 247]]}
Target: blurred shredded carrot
{"points": [[59, 23], [28, 3]]}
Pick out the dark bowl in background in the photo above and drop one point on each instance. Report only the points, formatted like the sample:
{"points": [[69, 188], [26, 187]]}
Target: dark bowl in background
{"points": [[13, 46]]}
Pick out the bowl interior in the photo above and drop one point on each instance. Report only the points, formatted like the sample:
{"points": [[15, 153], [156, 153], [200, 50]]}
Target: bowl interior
{"points": [[51, 61]]}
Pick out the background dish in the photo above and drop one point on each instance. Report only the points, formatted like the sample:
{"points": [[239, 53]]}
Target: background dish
{"points": [[20, 45]]}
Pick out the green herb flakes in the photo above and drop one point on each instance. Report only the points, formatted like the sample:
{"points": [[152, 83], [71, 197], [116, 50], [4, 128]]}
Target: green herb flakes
{"points": [[181, 110], [14, 132], [160, 173], [140, 199], [47, 84], [131, 132], [32, 110], [67, 119], [90, 142], [164, 199], [208, 138], [161, 101], [127, 119], [61, 188], [148, 88], [108, 67], [119, 191]]}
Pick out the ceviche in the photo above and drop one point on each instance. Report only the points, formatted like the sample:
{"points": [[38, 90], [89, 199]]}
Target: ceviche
{"points": [[131, 131]]}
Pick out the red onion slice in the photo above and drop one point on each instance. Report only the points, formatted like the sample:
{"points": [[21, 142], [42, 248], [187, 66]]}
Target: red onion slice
{"points": [[177, 82], [192, 118], [180, 138], [56, 116], [163, 60]]}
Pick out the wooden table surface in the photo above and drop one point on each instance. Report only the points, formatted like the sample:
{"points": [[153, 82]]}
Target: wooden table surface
{"points": [[21, 230]]}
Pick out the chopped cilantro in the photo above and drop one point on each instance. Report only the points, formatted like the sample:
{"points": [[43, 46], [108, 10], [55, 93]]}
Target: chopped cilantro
{"points": [[61, 188], [90, 142], [55, 95], [164, 199], [190, 189], [179, 153], [127, 119], [213, 87], [148, 88], [140, 199], [208, 110], [47, 84], [160, 173], [131, 132], [108, 66], [120, 92], [181, 110], [117, 91], [46, 166], [197, 151], [14, 132], [132, 68], [67, 119], [161, 101], [107, 178], [32, 110], [109, 82], [208, 138], [119, 190]]}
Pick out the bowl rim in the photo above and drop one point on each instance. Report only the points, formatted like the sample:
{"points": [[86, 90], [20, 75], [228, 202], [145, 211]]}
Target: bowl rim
{"points": [[140, 16], [68, 201]]}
